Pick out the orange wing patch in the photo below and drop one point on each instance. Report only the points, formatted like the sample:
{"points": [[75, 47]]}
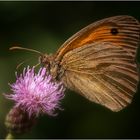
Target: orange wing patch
{"points": [[122, 31]]}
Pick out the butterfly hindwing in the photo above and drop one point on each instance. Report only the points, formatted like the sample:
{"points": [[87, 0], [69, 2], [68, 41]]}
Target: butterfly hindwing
{"points": [[103, 73]]}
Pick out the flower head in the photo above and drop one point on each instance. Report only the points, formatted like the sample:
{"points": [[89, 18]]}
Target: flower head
{"points": [[36, 93]]}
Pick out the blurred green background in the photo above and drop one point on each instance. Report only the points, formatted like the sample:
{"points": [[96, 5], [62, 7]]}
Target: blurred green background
{"points": [[44, 26]]}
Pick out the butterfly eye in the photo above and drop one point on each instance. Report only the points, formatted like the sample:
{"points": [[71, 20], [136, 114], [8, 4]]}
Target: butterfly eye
{"points": [[114, 31], [43, 59]]}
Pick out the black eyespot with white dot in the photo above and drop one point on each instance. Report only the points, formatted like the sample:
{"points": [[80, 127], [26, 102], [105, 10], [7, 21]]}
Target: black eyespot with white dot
{"points": [[114, 31]]}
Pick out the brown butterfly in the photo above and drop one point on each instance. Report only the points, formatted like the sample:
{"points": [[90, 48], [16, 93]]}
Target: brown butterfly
{"points": [[99, 61]]}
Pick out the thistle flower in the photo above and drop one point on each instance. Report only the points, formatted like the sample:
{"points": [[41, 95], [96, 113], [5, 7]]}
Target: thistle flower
{"points": [[36, 93]]}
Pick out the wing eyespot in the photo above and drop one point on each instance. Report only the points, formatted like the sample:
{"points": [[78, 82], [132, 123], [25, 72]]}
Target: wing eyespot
{"points": [[114, 31]]}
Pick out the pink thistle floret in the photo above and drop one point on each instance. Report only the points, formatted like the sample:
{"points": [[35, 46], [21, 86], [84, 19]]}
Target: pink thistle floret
{"points": [[37, 93]]}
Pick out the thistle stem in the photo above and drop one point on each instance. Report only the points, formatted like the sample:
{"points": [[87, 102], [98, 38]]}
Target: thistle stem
{"points": [[9, 136]]}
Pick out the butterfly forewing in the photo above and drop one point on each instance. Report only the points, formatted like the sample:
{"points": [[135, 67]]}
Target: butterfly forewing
{"points": [[99, 61], [127, 34]]}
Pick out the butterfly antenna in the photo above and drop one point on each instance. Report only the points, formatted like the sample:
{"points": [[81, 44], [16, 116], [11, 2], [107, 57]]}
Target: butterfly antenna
{"points": [[27, 49]]}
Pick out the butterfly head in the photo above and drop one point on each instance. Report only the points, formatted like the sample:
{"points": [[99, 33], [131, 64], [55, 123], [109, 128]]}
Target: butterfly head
{"points": [[44, 60], [49, 62]]}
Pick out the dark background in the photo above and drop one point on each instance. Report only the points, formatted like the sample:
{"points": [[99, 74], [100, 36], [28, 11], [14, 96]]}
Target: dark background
{"points": [[44, 26]]}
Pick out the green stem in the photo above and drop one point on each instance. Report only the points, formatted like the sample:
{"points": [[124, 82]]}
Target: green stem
{"points": [[9, 136]]}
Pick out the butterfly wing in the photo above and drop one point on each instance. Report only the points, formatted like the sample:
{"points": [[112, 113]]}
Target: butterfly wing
{"points": [[103, 73], [99, 61], [120, 30]]}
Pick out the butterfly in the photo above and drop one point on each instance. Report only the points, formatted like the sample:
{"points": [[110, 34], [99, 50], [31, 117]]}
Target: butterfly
{"points": [[99, 63]]}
